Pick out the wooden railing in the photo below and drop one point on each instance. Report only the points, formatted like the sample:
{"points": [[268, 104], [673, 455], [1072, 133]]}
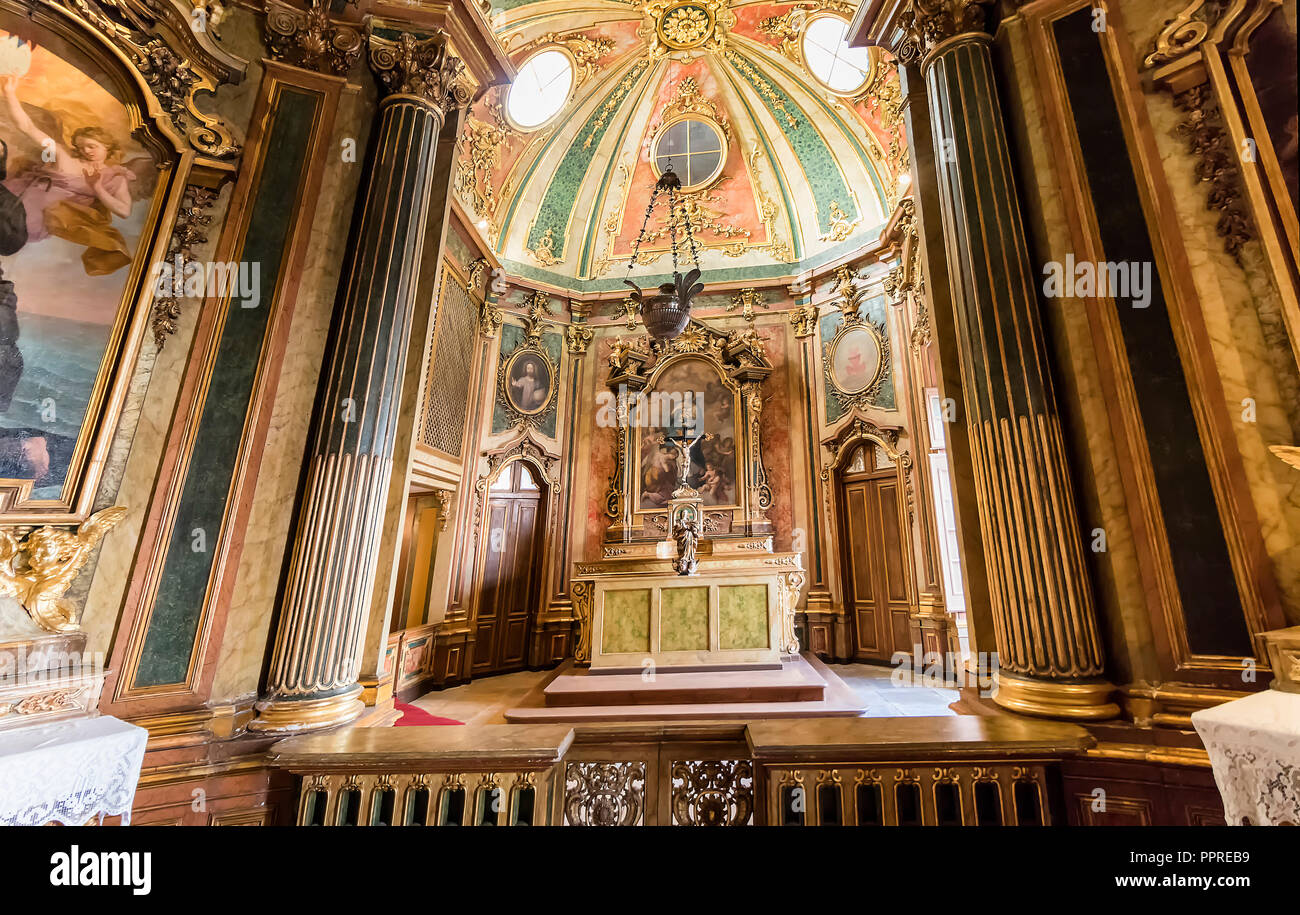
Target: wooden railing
{"points": [[815, 772]]}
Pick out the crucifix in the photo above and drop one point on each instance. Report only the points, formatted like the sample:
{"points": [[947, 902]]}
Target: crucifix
{"points": [[682, 445]]}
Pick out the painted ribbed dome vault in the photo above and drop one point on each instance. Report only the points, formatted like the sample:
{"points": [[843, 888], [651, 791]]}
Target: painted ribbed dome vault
{"points": [[808, 174]]}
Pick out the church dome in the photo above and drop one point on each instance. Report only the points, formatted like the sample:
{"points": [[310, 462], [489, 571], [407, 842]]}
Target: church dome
{"points": [[789, 143]]}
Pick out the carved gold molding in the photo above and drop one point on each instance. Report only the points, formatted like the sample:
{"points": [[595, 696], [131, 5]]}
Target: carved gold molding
{"points": [[192, 220], [308, 38], [424, 68], [928, 23]]}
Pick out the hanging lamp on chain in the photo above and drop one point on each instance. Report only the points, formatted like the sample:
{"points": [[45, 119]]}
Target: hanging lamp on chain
{"points": [[667, 313]]}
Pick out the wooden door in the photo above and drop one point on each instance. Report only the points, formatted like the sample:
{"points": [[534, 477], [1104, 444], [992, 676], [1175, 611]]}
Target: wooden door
{"points": [[874, 560], [510, 572]]}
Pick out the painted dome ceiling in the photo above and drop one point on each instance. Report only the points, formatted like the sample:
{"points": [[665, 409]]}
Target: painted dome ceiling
{"points": [[789, 172]]}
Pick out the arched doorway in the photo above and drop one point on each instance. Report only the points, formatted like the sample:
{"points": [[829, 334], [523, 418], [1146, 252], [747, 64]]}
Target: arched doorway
{"points": [[511, 569], [874, 553]]}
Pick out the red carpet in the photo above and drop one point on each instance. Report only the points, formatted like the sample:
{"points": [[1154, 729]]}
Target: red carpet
{"points": [[418, 716]]}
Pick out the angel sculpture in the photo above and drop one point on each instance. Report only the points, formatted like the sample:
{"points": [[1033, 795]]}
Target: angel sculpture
{"points": [[54, 557], [72, 183]]}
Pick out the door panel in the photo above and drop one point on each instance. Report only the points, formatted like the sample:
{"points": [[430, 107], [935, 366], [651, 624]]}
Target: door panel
{"points": [[874, 565], [509, 574]]}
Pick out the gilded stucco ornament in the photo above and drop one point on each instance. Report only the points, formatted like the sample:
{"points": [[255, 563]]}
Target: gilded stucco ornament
{"points": [[480, 145], [676, 26], [309, 39], [489, 320], [787, 29], [926, 23], [176, 62], [422, 67], [588, 52], [190, 229], [747, 300], [840, 226], [804, 320], [53, 557], [577, 338]]}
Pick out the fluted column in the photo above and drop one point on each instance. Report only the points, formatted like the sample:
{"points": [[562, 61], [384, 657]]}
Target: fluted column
{"points": [[312, 680], [1050, 657]]}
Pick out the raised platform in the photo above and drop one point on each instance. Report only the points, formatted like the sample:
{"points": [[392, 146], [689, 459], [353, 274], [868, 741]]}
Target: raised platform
{"points": [[802, 688]]}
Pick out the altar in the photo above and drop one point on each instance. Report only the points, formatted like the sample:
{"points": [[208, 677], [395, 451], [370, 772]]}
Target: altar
{"points": [[688, 578], [735, 611], [689, 611]]}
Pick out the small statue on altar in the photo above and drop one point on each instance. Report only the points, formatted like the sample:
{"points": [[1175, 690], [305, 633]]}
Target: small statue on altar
{"points": [[687, 535]]}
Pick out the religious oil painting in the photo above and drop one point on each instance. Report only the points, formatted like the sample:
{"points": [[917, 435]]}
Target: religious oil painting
{"points": [[855, 359], [704, 417], [75, 193], [528, 382]]}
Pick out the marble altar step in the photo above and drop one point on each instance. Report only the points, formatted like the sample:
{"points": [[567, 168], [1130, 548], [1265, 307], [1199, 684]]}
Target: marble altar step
{"points": [[717, 695], [793, 682]]}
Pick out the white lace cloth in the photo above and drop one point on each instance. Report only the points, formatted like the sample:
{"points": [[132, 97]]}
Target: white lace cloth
{"points": [[1254, 747], [70, 771]]}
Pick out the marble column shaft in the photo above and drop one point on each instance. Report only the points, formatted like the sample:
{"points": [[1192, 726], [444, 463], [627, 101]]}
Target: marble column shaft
{"points": [[317, 654], [1049, 650]]}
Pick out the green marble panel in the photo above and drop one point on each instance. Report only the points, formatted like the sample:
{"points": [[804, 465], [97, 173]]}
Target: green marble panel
{"points": [[742, 616], [626, 621], [684, 619], [170, 639]]}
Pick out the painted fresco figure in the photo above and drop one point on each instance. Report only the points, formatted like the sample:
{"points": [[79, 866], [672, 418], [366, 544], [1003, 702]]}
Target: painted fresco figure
{"points": [[76, 196]]}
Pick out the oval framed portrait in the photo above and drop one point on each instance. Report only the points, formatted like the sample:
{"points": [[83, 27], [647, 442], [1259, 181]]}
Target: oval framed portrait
{"points": [[855, 361], [529, 381]]}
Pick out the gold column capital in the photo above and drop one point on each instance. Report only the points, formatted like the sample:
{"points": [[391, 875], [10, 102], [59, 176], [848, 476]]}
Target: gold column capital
{"points": [[310, 39], [421, 67], [928, 23]]}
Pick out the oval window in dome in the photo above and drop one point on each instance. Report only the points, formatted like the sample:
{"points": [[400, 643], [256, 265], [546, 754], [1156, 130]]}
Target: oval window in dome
{"points": [[826, 51], [540, 90], [694, 147]]}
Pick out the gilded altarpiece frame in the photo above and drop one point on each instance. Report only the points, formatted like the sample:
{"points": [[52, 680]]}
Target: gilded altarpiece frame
{"points": [[739, 364]]}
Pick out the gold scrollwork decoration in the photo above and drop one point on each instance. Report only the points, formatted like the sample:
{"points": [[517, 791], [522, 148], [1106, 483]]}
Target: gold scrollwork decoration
{"points": [[174, 63], [1184, 32], [189, 230], [310, 39]]}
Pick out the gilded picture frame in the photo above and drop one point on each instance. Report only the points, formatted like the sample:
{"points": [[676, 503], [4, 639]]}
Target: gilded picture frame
{"points": [[143, 124]]}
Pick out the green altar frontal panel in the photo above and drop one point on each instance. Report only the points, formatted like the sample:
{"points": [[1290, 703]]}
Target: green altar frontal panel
{"points": [[742, 616], [627, 621], [684, 619]]}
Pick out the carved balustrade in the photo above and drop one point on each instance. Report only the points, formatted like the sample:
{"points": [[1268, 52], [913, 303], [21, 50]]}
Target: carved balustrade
{"points": [[815, 772]]}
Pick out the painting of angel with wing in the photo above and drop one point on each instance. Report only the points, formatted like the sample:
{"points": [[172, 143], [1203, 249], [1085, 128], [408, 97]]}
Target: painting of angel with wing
{"points": [[74, 193]]}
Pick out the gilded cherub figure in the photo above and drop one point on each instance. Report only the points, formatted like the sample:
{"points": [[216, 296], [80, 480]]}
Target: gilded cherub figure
{"points": [[54, 557]]}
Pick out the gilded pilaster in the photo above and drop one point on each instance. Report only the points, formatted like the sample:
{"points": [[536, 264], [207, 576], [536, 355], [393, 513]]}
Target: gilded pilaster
{"points": [[1049, 652], [905, 288]]}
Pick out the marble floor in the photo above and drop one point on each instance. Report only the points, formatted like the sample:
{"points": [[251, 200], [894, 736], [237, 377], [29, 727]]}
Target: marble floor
{"points": [[484, 701]]}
